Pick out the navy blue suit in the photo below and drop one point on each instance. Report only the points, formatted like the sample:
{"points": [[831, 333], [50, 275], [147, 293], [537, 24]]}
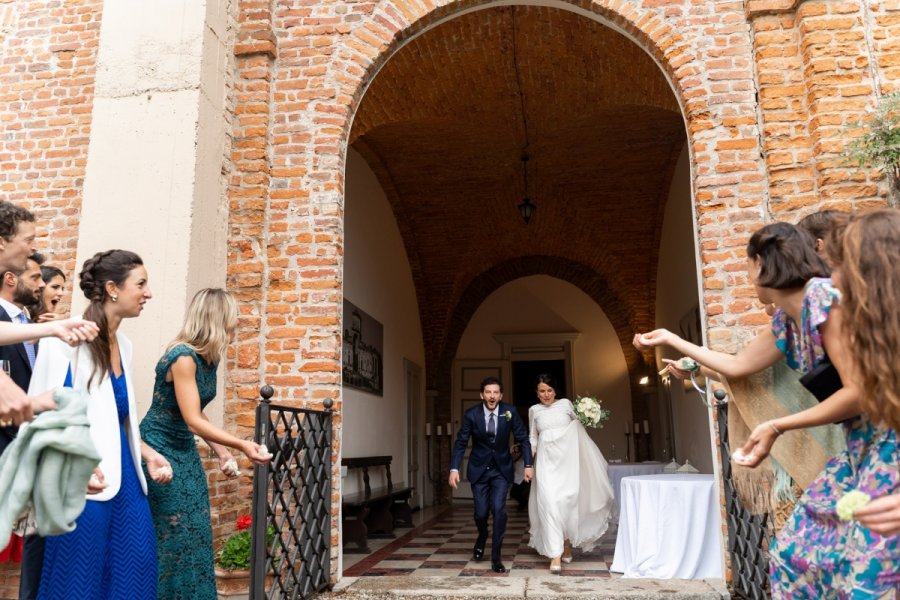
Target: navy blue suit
{"points": [[33, 552], [490, 470]]}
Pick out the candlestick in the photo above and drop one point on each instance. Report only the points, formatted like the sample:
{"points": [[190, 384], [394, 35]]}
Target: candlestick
{"points": [[448, 429], [646, 426], [427, 428], [637, 428], [627, 428], [439, 430]]}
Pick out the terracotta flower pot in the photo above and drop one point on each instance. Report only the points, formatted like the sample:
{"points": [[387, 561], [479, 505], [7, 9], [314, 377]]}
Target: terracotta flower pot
{"points": [[235, 585]]}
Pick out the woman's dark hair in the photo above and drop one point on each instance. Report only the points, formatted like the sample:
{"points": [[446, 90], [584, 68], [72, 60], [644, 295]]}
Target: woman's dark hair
{"points": [[546, 379], [48, 272], [787, 256], [818, 224], [115, 266]]}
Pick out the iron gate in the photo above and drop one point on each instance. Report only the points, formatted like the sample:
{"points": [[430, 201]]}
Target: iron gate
{"points": [[749, 535], [291, 531]]}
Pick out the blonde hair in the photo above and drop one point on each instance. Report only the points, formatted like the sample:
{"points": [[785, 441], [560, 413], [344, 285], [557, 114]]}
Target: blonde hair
{"points": [[207, 327], [866, 249]]}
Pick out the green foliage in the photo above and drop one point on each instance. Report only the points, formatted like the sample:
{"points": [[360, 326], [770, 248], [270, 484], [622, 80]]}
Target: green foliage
{"points": [[880, 145], [235, 553]]}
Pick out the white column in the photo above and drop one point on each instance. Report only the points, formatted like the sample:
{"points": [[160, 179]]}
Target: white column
{"points": [[153, 182]]}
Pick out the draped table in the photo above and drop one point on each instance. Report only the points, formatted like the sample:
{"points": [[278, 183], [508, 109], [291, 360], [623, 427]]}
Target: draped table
{"points": [[669, 528], [617, 471]]}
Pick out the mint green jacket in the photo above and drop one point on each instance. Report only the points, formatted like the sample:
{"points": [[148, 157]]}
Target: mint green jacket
{"points": [[49, 465]]}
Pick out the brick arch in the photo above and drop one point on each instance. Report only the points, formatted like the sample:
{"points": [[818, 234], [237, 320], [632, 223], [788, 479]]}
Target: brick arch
{"points": [[581, 276], [390, 27]]}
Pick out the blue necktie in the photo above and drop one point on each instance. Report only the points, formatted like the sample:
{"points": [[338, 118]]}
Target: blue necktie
{"points": [[29, 346], [491, 428]]}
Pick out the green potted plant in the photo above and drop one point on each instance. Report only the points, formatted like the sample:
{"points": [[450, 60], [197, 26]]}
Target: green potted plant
{"points": [[233, 562], [879, 146]]}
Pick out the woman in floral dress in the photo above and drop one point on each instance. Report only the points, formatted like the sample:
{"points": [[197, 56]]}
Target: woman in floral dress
{"points": [[809, 557]]}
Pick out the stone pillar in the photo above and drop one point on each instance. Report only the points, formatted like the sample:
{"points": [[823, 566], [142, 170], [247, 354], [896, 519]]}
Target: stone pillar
{"points": [[153, 182]]}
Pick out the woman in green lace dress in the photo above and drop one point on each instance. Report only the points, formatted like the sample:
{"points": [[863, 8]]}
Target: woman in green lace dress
{"points": [[185, 384]]}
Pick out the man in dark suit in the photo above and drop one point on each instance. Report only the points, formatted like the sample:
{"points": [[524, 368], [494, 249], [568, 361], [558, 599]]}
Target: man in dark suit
{"points": [[490, 470], [17, 292]]}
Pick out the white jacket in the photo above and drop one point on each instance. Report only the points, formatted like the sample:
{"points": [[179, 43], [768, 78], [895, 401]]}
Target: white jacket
{"points": [[50, 369]]}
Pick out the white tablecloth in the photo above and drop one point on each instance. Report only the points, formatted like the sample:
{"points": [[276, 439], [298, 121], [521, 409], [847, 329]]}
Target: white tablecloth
{"points": [[619, 470], [669, 528]]}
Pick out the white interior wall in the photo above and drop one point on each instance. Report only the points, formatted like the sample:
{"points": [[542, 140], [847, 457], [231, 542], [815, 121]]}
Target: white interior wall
{"points": [[378, 280], [541, 303], [676, 294]]}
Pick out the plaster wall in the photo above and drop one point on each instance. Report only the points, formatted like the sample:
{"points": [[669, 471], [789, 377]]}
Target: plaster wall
{"points": [[378, 280], [676, 297], [153, 181]]}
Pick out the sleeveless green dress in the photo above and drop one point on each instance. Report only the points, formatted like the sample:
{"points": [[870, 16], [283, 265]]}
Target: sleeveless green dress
{"points": [[180, 510]]}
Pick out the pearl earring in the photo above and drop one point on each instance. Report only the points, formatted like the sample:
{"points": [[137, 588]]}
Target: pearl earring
{"points": [[114, 298]]}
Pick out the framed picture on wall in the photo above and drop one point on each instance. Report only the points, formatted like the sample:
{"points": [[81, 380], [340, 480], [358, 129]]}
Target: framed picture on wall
{"points": [[362, 349]]}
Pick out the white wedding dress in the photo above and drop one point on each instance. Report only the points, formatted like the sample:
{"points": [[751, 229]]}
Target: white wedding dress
{"points": [[571, 496]]}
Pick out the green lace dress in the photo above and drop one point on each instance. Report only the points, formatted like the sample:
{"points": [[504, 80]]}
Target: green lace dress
{"points": [[180, 509]]}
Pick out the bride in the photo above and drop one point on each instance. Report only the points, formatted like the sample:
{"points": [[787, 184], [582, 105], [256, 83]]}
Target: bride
{"points": [[571, 496]]}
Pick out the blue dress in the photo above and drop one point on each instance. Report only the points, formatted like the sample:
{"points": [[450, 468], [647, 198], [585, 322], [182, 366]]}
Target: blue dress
{"points": [[111, 554]]}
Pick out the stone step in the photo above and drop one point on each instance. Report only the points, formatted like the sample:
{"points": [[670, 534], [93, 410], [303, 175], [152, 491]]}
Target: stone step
{"points": [[518, 588]]}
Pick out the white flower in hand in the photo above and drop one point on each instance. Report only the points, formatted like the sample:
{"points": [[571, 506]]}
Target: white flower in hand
{"points": [[230, 468]]}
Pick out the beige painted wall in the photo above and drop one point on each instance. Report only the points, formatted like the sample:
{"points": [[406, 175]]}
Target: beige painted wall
{"points": [[377, 279], [153, 179], [676, 295], [541, 303]]}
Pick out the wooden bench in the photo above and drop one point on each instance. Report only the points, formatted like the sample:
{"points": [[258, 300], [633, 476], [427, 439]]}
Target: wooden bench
{"points": [[374, 513]]}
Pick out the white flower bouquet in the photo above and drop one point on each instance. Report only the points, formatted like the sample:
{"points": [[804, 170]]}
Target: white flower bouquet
{"points": [[589, 411]]}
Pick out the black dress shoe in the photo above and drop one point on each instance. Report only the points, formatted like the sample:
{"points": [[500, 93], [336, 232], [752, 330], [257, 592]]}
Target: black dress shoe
{"points": [[478, 550], [497, 567]]}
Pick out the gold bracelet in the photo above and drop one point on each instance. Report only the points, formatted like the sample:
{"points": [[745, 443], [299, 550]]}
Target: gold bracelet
{"points": [[775, 429]]}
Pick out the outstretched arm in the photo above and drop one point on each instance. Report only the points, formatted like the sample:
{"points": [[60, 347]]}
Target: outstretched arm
{"points": [[841, 405], [184, 376], [72, 331], [760, 353]]}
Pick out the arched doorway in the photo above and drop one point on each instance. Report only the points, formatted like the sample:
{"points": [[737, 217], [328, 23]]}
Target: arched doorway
{"points": [[443, 128]]}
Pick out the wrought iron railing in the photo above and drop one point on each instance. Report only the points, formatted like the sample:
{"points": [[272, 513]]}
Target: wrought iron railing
{"points": [[749, 535], [291, 534]]}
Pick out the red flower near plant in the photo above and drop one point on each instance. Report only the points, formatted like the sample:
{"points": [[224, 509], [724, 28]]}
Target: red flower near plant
{"points": [[244, 522]]}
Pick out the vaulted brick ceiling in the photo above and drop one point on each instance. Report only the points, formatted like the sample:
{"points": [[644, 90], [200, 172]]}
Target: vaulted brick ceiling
{"points": [[444, 125]]}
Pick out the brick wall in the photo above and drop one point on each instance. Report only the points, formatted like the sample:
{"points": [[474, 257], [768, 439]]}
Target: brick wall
{"points": [[48, 53]]}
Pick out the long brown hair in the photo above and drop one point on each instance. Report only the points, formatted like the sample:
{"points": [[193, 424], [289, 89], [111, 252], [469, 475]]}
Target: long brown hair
{"points": [[103, 267], [866, 249]]}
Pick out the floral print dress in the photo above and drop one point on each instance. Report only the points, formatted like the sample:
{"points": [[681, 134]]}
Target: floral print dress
{"points": [[817, 555]]}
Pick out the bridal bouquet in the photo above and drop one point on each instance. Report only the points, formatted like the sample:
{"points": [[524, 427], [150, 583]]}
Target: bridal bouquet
{"points": [[589, 411]]}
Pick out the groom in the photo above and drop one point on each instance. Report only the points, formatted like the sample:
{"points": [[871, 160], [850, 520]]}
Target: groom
{"points": [[490, 468]]}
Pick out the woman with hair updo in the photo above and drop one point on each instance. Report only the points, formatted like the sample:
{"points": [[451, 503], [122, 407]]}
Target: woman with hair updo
{"points": [[571, 496], [111, 554], [826, 551], [185, 385], [54, 280]]}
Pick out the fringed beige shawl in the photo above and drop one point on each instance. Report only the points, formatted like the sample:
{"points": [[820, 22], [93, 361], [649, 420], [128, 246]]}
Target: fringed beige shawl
{"points": [[798, 455]]}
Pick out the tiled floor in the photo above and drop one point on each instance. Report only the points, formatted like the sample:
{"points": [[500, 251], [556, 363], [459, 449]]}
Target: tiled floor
{"points": [[441, 545]]}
